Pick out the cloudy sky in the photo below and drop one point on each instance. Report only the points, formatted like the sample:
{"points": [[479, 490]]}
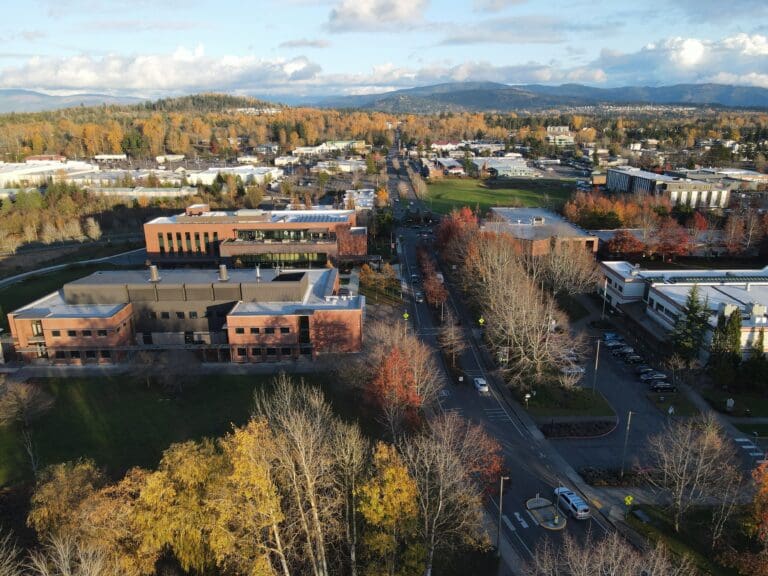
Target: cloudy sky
{"points": [[295, 48]]}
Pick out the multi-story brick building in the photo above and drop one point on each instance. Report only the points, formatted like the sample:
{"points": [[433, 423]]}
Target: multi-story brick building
{"points": [[248, 237], [240, 316]]}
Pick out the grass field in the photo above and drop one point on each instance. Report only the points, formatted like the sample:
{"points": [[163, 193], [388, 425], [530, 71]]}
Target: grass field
{"points": [[756, 403], [445, 195], [30, 289], [555, 401], [120, 423]]}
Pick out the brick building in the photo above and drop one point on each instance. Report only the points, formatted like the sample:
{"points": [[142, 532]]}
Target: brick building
{"points": [[248, 237], [538, 230], [240, 316]]}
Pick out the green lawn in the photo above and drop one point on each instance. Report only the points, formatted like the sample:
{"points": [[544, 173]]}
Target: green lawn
{"points": [[120, 423], [717, 398], [691, 541], [30, 289], [683, 406], [555, 401], [447, 194], [390, 296]]}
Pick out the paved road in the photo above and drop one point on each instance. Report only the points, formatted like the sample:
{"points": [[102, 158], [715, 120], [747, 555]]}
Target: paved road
{"points": [[534, 466]]}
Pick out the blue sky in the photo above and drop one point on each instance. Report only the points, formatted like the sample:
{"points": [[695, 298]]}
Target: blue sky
{"points": [[295, 48]]}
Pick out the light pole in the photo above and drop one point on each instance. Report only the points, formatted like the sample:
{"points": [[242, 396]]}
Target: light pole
{"points": [[626, 439], [498, 532], [597, 363], [605, 295]]}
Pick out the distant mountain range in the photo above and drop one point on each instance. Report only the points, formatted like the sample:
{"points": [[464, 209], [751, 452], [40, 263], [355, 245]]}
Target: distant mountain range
{"points": [[30, 101], [491, 96]]}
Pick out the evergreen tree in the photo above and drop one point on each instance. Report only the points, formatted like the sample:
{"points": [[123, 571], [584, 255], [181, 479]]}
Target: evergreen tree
{"points": [[690, 328]]}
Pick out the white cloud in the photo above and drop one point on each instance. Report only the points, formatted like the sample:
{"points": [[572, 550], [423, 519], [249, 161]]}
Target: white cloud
{"points": [[305, 43], [739, 59], [361, 15], [495, 5]]}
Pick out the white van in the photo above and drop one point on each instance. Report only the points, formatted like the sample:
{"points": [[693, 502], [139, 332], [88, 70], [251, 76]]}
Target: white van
{"points": [[571, 503]]}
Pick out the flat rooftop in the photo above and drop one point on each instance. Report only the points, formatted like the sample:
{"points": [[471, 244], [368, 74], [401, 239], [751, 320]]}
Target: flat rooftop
{"points": [[54, 306], [637, 172], [533, 224], [245, 216], [627, 270], [716, 296]]}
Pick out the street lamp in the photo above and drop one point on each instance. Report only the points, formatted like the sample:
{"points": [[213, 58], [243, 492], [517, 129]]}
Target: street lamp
{"points": [[597, 363], [527, 397], [605, 296], [501, 499]]}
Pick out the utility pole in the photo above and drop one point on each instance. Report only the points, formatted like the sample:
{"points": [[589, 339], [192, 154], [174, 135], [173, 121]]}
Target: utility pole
{"points": [[626, 439], [597, 363], [501, 499]]}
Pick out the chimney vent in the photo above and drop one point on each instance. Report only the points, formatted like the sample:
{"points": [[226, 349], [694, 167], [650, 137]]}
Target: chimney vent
{"points": [[223, 275], [154, 275]]}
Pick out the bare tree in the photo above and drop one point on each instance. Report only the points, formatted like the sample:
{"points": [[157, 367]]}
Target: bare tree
{"points": [[63, 556], [570, 268], [451, 337], [752, 228], [302, 422], [351, 450], [692, 461], [10, 565], [21, 403], [611, 555], [449, 501]]}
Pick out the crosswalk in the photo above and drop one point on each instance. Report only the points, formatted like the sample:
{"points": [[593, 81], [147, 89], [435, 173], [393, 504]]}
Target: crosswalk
{"points": [[749, 447], [497, 415]]}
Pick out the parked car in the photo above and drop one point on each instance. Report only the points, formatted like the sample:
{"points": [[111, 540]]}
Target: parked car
{"points": [[571, 503], [572, 369], [618, 343], [649, 376], [481, 385], [662, 387], [622, 351], [608, 336], [633, 359], [643, 368], [419, 296]]}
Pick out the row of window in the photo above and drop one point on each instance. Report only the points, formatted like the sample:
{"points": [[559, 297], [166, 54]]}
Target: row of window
{"points": [[242, 352], [89, 354], [192, 315], [83, 333], [283, 330], [186, 246]]}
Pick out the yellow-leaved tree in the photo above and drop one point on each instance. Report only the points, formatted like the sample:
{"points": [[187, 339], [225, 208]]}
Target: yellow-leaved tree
{"points": [[388, 503]]}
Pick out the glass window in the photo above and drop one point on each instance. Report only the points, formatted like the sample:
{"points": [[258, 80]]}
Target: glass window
{"points": [[71, 333], [61, 354], [55, 333], [90, 353], [180, 315], [192, 315], [254, 330], [169, 235], [161, 242], [269, 330], [241, 351], [255, 351], [101, 333], [239, 330], [165, 315], [285, 330], [87, 333], [197, 242], [285, 351], [188, 240], [271, 351], [179, 245], [75, 353], [106, 354], [152, 314]]}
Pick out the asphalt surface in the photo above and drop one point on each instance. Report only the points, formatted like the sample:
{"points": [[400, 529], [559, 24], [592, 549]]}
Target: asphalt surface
{"points": [[532, 464]]}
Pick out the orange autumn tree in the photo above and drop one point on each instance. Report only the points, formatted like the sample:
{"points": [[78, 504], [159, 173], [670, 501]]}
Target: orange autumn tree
{"points": [[394, 391]]}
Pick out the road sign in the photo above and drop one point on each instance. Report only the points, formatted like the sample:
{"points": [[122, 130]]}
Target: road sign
{"points": [[406, 315], [481, 321], [628, 499]]}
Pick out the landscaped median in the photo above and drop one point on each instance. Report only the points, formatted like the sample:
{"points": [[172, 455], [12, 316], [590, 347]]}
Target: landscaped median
{"points": [[564, 413]]}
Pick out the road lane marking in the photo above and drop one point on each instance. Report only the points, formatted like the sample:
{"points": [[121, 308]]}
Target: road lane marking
{"points": [[508, 523], [520, 519]]}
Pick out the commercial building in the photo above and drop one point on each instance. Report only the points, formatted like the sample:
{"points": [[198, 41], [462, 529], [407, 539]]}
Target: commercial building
{"points": [[238, 316], [342, 165], [140, 192], [505, 167], [248, 174], [37, 172], [538, 230], [697, 193], [362, 199], [249, 237], [663, 293]]}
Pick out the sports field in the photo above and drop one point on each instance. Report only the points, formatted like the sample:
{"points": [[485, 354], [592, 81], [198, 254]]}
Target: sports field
{"points": [[445, 195]]}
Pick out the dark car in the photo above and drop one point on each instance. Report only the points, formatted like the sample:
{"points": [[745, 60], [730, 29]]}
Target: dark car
{"points": [[643, 368], [633, 359], [662, 387]]}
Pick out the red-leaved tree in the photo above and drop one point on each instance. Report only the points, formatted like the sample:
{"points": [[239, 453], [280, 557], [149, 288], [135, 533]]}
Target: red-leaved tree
{"points": [[626, 243]]}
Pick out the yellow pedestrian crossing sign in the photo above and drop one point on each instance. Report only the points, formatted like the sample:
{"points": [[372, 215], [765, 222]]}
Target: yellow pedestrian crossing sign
{"points": [[481, 321], [628, 499]]}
